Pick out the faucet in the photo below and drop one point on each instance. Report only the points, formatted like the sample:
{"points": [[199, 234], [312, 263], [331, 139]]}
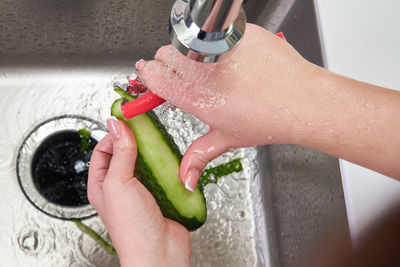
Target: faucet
{"points": [[207, 30]]}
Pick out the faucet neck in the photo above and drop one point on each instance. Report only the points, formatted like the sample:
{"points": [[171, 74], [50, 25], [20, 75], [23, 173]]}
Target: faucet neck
{"points": [[207, 30], [214, 15]]}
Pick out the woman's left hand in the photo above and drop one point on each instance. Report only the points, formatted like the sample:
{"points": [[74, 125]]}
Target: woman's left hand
{"points": [[139, 232]]}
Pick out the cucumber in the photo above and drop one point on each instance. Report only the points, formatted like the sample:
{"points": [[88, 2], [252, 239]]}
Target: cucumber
{"points": [[157, 167]]}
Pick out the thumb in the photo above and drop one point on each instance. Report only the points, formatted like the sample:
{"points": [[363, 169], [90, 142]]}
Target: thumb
{"points": [[199, 153], [122, 164], [165, 83]]}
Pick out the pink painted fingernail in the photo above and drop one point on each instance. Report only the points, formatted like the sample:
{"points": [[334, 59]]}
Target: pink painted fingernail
{"points": [[114, 127], [140, 64], [192, 177]]}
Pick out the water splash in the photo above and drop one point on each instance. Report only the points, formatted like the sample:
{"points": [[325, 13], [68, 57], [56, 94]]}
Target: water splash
{"points": [[196, 84]]}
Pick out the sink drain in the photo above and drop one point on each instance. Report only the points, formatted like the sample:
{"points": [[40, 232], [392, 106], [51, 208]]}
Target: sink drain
{"points": [[52, 170], [60, 169]]}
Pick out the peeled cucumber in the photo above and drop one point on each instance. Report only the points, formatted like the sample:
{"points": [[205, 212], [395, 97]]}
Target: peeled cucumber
{"points": [[157, 167]]}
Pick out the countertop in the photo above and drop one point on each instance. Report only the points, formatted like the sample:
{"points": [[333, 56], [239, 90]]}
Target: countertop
{"points": [[361, 40]]}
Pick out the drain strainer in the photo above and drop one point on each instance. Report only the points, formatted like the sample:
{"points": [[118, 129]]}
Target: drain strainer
{"points": [[52, 168]]}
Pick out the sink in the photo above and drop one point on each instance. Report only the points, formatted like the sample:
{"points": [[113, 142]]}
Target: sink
{"points": [[61, 58]]}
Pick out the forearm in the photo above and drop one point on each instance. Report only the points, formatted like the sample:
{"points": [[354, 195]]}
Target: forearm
{"points": [[355, 121]]}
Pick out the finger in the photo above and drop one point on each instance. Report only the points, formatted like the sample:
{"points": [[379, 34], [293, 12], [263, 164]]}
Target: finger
{"points": [[99, 163], [185, 91], [199, 153], [122, 165], [165, 83], [170, 57], [185, 67], [165, 54]]}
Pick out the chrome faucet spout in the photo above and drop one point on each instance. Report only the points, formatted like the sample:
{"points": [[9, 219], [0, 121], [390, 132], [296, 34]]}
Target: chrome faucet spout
{"points": [[207, 30]]}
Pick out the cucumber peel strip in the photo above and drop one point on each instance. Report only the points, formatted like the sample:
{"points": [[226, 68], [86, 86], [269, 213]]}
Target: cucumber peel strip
{"points": [[96, 237], [211, 175], [84, 136]]}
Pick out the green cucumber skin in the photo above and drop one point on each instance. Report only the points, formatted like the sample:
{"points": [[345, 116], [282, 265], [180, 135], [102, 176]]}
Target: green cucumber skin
{"points": [[96, 237], [145, 175], [220, 171]]}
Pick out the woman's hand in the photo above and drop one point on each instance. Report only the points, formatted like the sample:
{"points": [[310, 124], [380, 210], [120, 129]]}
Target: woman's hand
{"points": [[267, 93], [140, 233], [248, 99]]}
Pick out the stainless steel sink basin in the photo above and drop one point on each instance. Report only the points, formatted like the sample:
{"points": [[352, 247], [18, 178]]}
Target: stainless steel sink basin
{"points": [[61, 57]]}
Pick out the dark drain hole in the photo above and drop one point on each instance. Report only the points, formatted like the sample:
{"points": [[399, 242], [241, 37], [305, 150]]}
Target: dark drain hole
{"points": [[60, 169]]}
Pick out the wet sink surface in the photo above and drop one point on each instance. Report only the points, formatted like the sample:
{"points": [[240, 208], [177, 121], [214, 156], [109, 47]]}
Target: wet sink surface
{"points": [[62, 57]]}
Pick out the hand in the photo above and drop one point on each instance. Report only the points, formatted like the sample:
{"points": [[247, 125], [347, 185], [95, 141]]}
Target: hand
{"points": [[247, 100], [266, 93], [140, 233]]}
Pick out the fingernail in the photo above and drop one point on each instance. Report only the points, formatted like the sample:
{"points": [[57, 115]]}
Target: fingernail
{"points": [[140, 64], [192, 177], [114, 127]]}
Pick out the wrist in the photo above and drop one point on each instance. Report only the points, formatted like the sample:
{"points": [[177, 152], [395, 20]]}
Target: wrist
{"points": [[354, 121], [130, 255], [145, 260], [309, 106], [332, 111]]}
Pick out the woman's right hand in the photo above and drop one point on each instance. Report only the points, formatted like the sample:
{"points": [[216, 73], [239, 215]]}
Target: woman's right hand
{"points": [[267, 93], [246, 100]]}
